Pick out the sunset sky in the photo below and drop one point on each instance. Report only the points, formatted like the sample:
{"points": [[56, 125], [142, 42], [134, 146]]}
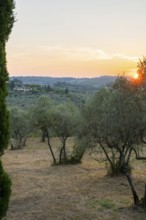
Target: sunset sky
{"points": [[79, 38]]}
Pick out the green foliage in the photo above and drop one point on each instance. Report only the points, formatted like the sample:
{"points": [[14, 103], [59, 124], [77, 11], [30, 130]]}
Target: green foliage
{"points": [[41, 118], [14, 83], [6, 23], [4, 125], [58, 120], [115, 120], [6, 19], [41, 113], [79, 149], [63, 93], [64, 123], [5, 191], [65, 119], [20, 127]]}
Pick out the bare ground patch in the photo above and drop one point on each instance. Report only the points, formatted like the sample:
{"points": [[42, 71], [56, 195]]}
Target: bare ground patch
{"points": [[74, 192]]}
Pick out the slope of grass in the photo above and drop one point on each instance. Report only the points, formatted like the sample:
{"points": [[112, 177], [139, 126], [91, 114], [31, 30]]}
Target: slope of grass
{"points": [[74, 192]]}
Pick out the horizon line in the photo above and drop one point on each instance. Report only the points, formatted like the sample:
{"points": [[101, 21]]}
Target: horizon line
{"points": [[65, 76]]}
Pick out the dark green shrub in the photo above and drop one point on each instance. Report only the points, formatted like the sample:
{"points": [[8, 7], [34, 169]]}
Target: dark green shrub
{"points": [[6, 24], [5, 191], [78, 152]]}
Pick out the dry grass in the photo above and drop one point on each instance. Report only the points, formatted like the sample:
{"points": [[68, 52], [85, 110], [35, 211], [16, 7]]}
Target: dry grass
{"points": [[73, 192]]}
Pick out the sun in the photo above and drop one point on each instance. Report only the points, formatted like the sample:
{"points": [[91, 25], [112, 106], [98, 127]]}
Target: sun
{"points": [[136, 76]]}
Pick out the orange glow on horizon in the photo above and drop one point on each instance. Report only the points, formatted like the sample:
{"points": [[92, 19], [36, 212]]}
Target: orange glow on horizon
{"points": [[136, 76], [68, 62]]}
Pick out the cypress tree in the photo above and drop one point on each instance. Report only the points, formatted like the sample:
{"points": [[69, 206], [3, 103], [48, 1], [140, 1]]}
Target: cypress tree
{"points": [[6, 24]]}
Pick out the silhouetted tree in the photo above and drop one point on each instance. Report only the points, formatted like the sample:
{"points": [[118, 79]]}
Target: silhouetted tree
{"points": [[142, 71]]}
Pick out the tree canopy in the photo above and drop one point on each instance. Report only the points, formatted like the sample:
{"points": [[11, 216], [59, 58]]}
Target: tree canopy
{"points": [[115, 122]]}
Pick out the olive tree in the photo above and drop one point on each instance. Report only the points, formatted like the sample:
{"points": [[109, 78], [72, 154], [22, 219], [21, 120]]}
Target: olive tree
{"points": [[41, 118], [114, 122], [64, 123], [19, 128], [58, 121]]}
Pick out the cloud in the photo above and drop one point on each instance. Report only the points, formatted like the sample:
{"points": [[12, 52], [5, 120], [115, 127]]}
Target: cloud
{"points": [[126, 57], [85, 53], [82, 53], [71, 53]]}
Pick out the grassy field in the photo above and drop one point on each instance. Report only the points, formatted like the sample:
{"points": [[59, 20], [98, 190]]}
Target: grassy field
{"points": [[75, 192]]}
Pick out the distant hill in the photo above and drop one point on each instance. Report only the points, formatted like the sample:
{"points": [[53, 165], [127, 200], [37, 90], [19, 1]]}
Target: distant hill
{"points": [[96, 82]]}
